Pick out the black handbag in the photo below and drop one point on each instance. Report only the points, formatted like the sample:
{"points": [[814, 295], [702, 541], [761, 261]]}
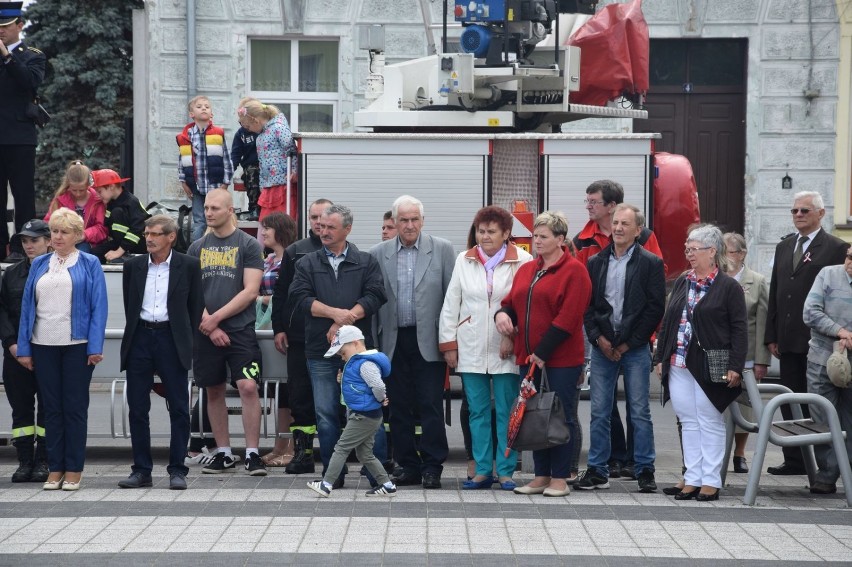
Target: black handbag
{"points": [[36, 112], [715, 368], [543, 425]]}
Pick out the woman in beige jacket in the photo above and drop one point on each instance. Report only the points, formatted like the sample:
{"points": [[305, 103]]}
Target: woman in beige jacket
{"points": [[471, 344], [756, 292]]}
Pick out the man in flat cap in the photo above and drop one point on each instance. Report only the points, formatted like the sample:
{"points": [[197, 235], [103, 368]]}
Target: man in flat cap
{"points": [[21, 72]]}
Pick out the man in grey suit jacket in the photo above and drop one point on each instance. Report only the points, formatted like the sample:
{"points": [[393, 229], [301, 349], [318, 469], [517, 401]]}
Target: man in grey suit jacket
{"points": [[416, 268]]}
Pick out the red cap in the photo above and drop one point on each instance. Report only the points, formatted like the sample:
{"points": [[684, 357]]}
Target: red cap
{"points": [[104, 177]]}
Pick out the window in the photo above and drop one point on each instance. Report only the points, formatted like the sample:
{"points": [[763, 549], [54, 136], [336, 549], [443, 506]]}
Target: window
{"points": [[298, 76]]}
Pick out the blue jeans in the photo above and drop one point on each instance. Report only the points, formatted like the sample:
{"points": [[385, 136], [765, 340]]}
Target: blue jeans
{"points": [[199, 221], [556, 461], [326, 403], [477, 389], [636, 365]]}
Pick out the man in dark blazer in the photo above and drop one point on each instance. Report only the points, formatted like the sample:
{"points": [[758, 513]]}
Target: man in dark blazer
{"points": [[21, 72], [163, 302], [416, 269], [798, 259]]}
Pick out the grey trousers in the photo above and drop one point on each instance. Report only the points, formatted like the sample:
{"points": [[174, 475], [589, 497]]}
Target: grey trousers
{"points": [[841, 398], [359, 434]]}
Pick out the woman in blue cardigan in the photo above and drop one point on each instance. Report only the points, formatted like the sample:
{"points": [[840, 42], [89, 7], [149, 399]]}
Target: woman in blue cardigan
{"points": [[61, 338]]}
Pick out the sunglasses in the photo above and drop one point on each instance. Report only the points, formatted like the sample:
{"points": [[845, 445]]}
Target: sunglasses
{"points": [[849, 256], [803, 211]]}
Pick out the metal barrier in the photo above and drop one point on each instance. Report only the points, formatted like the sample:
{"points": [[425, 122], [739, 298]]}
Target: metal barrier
{"points": [[274, 374]]}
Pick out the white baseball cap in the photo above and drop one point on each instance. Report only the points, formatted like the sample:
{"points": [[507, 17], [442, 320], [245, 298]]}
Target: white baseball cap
{"points": [[345, 334]]}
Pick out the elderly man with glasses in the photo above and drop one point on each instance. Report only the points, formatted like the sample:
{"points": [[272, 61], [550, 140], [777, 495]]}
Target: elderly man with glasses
{"points": [[798, 259]]}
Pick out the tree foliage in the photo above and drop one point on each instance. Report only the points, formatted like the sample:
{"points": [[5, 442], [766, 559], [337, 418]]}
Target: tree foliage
{"points": [[88, 85]]}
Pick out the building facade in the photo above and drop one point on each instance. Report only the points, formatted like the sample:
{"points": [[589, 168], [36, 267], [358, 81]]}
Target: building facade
{"points": [[303, 55]]}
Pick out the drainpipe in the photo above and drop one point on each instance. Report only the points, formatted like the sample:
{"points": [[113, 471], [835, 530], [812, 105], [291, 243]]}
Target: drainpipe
{"points": [[190, 49]]}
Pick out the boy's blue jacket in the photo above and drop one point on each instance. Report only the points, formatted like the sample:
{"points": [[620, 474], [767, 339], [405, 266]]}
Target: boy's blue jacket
{"points": [[356, 393], [88, 303]]}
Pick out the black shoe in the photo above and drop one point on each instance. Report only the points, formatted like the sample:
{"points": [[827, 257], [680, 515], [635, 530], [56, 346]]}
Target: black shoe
{"points": [[686, 495], [431, 480], [40, 472], [628, 472], [593, 480], [254, 465], [707, 497], [614, 469], [786, 470], [303, 459], [136, 480], [177, 481], [24, 472], [740, 465], [671, 490], [823, 488], [405, 478], [221, 463], [646, 482]]}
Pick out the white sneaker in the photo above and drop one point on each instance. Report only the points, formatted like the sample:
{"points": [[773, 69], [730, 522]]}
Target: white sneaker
{"points": [[204, 458]]}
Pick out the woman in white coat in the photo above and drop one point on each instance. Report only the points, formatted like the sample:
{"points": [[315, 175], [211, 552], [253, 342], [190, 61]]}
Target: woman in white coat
{"points": [[471, 344]]}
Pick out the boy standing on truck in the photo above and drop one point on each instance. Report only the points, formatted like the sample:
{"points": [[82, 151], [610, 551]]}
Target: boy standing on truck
{"points": [[204, 163]]}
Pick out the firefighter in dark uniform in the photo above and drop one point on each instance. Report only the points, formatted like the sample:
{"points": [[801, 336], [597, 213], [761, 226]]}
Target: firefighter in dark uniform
{"points": [[125, 218], [20, 383], [21, 72]]}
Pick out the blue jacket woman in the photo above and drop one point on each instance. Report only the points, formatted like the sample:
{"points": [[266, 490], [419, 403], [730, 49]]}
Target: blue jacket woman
{"points": [[61, 338]]}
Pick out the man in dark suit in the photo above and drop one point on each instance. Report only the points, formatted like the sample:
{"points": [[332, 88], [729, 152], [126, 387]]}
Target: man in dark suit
{"points": [[21, 72], [163, 302], [798, 259]]}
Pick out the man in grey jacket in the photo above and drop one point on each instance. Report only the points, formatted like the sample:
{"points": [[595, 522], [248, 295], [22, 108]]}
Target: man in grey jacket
{"points": [[416, 269], [828, 315]]}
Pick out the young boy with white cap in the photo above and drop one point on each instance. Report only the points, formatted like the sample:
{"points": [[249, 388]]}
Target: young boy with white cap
{"points": [[364, 394]]}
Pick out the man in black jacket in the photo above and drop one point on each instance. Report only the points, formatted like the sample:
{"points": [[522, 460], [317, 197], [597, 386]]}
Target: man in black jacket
{"points": [[21, 72], [627, 304], [334, 286], [798, 259], [19, 382], [163, 302], [288, 324]]}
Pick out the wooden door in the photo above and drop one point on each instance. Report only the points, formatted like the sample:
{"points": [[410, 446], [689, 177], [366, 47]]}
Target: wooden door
{"points": [[697, 103]]}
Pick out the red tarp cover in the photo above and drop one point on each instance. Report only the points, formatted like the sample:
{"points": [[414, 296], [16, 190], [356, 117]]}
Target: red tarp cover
{"points": [[675, 208], [614, 54]]}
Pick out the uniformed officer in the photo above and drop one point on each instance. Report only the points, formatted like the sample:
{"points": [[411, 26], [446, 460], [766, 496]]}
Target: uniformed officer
{"points": [[21, 72]]}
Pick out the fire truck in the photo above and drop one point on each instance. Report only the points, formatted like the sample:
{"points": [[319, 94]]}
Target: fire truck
{"points": [[482, 125]]}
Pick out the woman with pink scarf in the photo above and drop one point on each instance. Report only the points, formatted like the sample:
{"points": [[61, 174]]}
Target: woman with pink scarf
{"points": [[471, 344]]}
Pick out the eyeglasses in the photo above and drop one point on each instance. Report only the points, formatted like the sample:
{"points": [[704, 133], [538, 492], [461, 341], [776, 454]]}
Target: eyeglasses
{"points": [[592, 202], [803, 211], [689, 251], [154, 234]]}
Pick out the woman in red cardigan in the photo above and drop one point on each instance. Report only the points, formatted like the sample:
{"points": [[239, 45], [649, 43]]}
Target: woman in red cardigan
{"points": [[544, 315]]}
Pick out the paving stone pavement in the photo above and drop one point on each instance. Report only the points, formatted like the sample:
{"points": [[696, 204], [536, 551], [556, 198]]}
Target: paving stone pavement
{"points": [[234, 519]]}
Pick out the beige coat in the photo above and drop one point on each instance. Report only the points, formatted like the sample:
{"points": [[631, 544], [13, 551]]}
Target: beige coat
{"points": [[756, 298], [467, 318]]}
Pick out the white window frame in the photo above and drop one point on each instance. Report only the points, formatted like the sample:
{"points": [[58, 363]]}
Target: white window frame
{"points": [[295, 98]]}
